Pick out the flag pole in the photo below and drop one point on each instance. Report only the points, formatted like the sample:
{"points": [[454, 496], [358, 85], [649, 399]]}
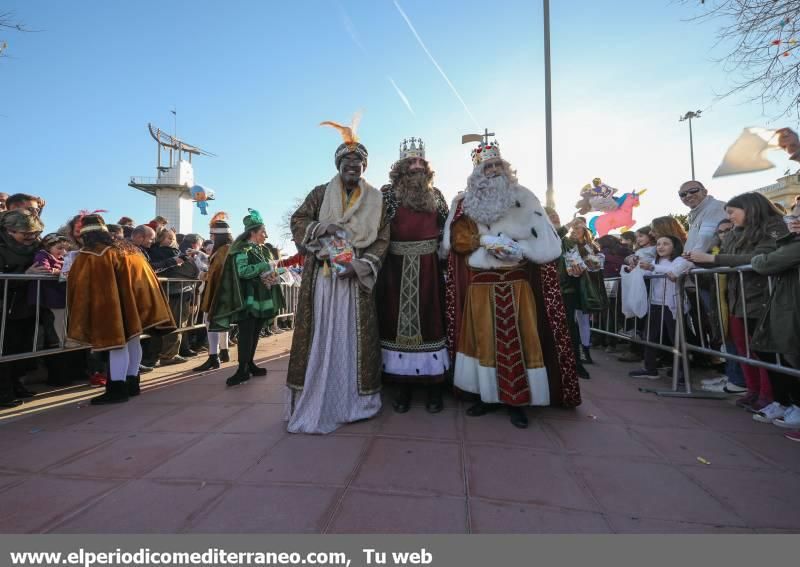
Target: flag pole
{"points": [[548, 116]]}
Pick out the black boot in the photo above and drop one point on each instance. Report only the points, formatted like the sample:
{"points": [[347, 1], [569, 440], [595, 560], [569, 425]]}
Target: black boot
{"points": [[434, 403], [481, 408], [587, 355], [212, 363], [242, 375], [116, 393], [256, 370], [133, 385], [582, 372], [224, 355], [402, 399], [518, 417]]}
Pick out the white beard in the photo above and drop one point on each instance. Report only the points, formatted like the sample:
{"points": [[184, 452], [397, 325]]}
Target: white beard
{"points": [[488, 198]]}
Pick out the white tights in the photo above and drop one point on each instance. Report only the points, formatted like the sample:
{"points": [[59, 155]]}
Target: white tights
{"points": [[215, 339], [125, 361]]}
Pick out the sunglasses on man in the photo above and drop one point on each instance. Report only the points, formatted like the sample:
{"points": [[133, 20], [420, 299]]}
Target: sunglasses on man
{"points": [[691, 191]]}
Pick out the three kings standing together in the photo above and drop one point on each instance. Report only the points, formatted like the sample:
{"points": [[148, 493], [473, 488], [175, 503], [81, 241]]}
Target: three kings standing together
{"points": [[425, 292]]}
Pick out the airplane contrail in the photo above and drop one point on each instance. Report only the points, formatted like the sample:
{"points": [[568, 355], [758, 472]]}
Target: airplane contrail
{"points": [[435, 64], [402, 96], [350, 28]]}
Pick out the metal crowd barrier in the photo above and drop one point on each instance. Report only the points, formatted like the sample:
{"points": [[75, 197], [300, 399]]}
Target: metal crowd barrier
{"points": [[188, 299], [291, 294], [704, 347], [612, 323], [637, 330], [184, 296]]}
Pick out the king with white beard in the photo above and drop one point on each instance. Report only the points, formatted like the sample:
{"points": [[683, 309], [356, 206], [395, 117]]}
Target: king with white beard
{"points": [[506, 318]]}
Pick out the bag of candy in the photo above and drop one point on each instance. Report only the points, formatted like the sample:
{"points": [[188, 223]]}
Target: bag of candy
{"points": [[502, 247], [340, 251]]}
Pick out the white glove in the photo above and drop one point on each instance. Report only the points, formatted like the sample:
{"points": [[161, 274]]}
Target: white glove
{"points": [[502, 247]]}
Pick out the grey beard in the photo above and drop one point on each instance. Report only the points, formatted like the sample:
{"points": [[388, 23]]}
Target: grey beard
{"points": [[488, 199]]}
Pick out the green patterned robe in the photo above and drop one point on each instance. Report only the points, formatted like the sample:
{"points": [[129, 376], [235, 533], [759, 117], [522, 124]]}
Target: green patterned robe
{"points": [[241, 293]]}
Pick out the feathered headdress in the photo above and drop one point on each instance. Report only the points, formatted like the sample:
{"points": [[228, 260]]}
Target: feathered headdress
{"points": [[350, 138], [221, 216], [219, 224], [348, 132]]}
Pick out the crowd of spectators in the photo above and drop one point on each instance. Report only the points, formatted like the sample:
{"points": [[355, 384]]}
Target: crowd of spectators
{"points": [[749, 314], [26, 248]]}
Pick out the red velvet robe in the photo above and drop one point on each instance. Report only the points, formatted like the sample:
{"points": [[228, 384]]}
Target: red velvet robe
{"points": [[412, 326]]}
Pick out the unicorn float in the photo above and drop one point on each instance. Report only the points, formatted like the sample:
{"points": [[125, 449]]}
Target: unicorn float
{"points": [[621, 217]]}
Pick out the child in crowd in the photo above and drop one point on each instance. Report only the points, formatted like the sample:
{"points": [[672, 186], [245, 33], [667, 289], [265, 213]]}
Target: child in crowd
{"points": [[52, 294], [645, 249], [663, 299], [628, 238]]}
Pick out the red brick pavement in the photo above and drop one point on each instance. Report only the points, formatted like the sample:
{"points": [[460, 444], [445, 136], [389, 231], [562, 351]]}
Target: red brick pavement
{"points": [[190, 455]]}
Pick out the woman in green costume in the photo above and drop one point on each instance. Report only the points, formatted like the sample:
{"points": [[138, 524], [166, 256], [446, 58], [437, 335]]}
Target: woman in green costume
{"points": [[245, 296]]}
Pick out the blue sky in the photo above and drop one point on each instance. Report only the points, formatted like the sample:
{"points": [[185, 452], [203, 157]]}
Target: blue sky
{"points": [[252, 79]]}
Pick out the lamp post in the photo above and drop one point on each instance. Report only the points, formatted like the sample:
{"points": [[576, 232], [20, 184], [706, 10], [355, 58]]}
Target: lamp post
{"points": [[688, 116], [548, 117]]}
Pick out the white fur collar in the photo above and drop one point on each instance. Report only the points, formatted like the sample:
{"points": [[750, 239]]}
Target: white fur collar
{"points": [[527, 223], [361, 220]]}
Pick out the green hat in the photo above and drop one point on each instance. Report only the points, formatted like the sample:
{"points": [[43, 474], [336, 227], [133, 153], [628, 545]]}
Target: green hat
{"points": [[252, 220]]}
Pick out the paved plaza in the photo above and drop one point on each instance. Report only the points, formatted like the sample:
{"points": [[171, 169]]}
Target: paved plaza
{"points": [[190, 455]]}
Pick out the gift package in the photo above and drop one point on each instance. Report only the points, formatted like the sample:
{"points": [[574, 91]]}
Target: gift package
{"points": [[339, 251], [273, 275], [502, 246]]}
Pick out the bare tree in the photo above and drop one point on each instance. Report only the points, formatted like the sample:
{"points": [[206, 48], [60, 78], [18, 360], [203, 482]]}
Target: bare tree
{"points": [[8, 22], [761, 38], [286, 219]]}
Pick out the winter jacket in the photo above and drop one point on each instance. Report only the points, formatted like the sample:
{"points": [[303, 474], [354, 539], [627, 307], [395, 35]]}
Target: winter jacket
{"points": [[161, 258], [778, 329], [53, 293], [664, 291], [614, 261], [703, 221], [756, 287], [15, 258]]}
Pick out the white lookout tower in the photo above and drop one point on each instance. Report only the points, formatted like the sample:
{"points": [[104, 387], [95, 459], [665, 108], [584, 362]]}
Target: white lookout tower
{"points": [[171, 187]]}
